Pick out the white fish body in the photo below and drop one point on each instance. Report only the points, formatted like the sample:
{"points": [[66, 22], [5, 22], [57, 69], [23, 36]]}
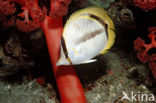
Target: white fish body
{"points": [[84, 37]]}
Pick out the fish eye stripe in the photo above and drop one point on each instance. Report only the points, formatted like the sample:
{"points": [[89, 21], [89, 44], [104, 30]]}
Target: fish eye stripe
{"points": [[99, 20], [105, 25], [96, 18]]}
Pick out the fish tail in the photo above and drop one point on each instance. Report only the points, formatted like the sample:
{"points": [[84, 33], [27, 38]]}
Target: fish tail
{"points": [[63, 60]]}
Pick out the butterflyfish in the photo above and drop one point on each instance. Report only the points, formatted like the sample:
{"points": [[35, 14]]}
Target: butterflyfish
{"points": [[87, 33]]}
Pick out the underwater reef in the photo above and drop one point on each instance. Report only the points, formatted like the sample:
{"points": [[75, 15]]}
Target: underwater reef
{"points": [[25, 63]]}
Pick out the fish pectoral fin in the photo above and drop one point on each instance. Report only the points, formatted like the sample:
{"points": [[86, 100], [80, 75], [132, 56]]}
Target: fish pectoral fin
{"points": [[90, 61]]}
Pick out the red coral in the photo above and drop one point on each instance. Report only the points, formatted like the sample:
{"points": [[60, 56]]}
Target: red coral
{"points": [[32, 10], [7, 7], [143, 57], [7, 22], [145, 4], [152, 64], [27, 26], [59, 7], [142, 50], [139, 44]]}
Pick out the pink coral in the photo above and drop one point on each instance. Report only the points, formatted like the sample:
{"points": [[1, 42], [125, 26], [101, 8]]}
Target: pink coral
{"points": [[145, 4], [142, 50]]}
